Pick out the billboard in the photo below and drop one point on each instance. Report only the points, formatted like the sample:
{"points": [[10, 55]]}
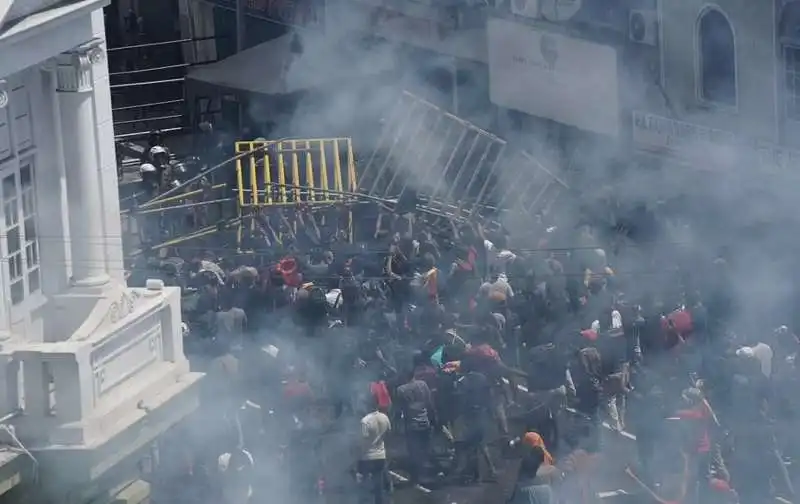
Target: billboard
{"points": [[553, 76]]}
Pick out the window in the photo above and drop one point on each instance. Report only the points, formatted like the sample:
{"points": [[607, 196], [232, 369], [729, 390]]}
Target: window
{"points": [[19, 247], [19, 230], [209, 109], [717, 52], [790, 43]]}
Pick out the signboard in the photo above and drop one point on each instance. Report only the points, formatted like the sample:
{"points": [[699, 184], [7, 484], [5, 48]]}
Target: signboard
{"points": [[549, 75], [299, 13], [709, 148], [406, 22]]}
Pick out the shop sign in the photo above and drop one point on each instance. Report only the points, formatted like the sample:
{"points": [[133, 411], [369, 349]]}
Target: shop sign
{"points": [[299, 13], [405, 22], [550, 75], [709, 147]]}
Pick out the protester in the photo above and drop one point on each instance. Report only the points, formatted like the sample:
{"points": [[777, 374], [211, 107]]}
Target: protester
{"points": [[372, 468], [463, 342]]}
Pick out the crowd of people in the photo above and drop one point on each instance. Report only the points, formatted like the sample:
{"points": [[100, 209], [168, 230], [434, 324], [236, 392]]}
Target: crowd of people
{"points": [[440, 352], [444, 338]]}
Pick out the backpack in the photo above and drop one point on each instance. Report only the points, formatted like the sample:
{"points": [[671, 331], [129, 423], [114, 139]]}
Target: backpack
{"points": [[317, 296], [471, 389], [351, 290], [317, 303], [484, 352], [418, 417]]}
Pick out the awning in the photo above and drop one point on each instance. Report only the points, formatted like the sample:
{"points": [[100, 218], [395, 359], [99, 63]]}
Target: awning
{"points": [[273, 68]]}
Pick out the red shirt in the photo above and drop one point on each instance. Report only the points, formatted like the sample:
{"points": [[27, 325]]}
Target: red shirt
{"points": [[681, 320], [297, 390], [469, 264], [487, 358], [485, 352], [701, 416], [290, 272], [381, 394]]}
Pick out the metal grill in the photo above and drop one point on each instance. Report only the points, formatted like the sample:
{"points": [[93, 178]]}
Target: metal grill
{"points": [[454, 166], [311, 171]]}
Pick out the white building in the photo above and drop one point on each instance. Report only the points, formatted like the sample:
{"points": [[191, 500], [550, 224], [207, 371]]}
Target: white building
{"points": [[93, 371]]}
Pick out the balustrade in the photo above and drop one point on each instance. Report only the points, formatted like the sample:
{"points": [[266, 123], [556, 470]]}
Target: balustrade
{"points": [[67, 385]]}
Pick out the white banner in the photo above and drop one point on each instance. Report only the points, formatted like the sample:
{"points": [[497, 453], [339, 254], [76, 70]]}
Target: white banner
{"points": [[549, 75]]}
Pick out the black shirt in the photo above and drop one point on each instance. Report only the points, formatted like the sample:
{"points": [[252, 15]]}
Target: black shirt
{"points": [[474, 392]]}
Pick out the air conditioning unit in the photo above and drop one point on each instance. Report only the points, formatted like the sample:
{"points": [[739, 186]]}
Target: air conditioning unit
{"points": [[643, 27], [525, 8]]}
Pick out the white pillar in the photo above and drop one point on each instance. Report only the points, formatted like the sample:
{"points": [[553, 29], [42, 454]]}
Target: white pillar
{"points": [[55, 257], [82, 167]]}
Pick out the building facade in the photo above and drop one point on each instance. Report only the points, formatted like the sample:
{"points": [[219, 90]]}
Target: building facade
{"points": [[728, 73], [681, 79], [93, 372]]}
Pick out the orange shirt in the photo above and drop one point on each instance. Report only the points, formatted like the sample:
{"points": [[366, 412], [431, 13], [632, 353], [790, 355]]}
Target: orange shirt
{"points": [[431, 283]]}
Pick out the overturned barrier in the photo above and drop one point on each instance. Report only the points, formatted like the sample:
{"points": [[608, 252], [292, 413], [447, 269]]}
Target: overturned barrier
{"points": [[454, 167]]}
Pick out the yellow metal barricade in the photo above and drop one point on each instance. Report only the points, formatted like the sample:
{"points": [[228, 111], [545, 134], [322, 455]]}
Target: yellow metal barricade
{"points": [[290, 172]]}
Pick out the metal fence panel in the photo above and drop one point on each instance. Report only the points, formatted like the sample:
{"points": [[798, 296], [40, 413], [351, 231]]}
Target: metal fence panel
{"points": [[289, 172], [454, 166]]}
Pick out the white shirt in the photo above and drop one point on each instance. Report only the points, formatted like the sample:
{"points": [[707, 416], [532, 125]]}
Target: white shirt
{"points": [[499, 286], [763, 353], [616, 320], [334, 298], [213, 268], [236, 491], [374, 427]]}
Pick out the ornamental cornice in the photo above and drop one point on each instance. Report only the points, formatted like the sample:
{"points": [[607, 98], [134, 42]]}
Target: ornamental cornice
{"points": [[74, 67]]}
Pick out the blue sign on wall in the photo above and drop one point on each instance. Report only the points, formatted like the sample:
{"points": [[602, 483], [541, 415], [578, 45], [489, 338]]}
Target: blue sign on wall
{"points": [[300, 13]]}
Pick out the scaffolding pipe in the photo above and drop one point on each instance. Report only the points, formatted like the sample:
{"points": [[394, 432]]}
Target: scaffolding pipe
{"points": [[146, 105], [136, 134], [163, 43], [148, 83], [149, 119], [145, 70]]}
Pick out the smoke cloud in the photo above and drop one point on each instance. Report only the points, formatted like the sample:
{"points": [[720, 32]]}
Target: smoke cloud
{"points": [[669, 218]]}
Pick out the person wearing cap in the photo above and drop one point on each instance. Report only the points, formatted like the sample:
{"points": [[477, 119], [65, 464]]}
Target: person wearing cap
{"points": [[762, 353], [535, 440], [530, 487]]}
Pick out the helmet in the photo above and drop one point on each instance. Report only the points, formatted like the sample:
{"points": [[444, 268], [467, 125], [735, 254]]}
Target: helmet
{"points": [[157, 150], [147, 168]]}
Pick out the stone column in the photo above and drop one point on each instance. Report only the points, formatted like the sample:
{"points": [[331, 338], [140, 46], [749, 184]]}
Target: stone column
{"points": [[55, 257], [75, 92]]}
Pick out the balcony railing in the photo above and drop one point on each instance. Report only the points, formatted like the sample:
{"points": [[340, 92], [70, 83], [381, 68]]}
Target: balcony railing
{"points": [[57, 387]]}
